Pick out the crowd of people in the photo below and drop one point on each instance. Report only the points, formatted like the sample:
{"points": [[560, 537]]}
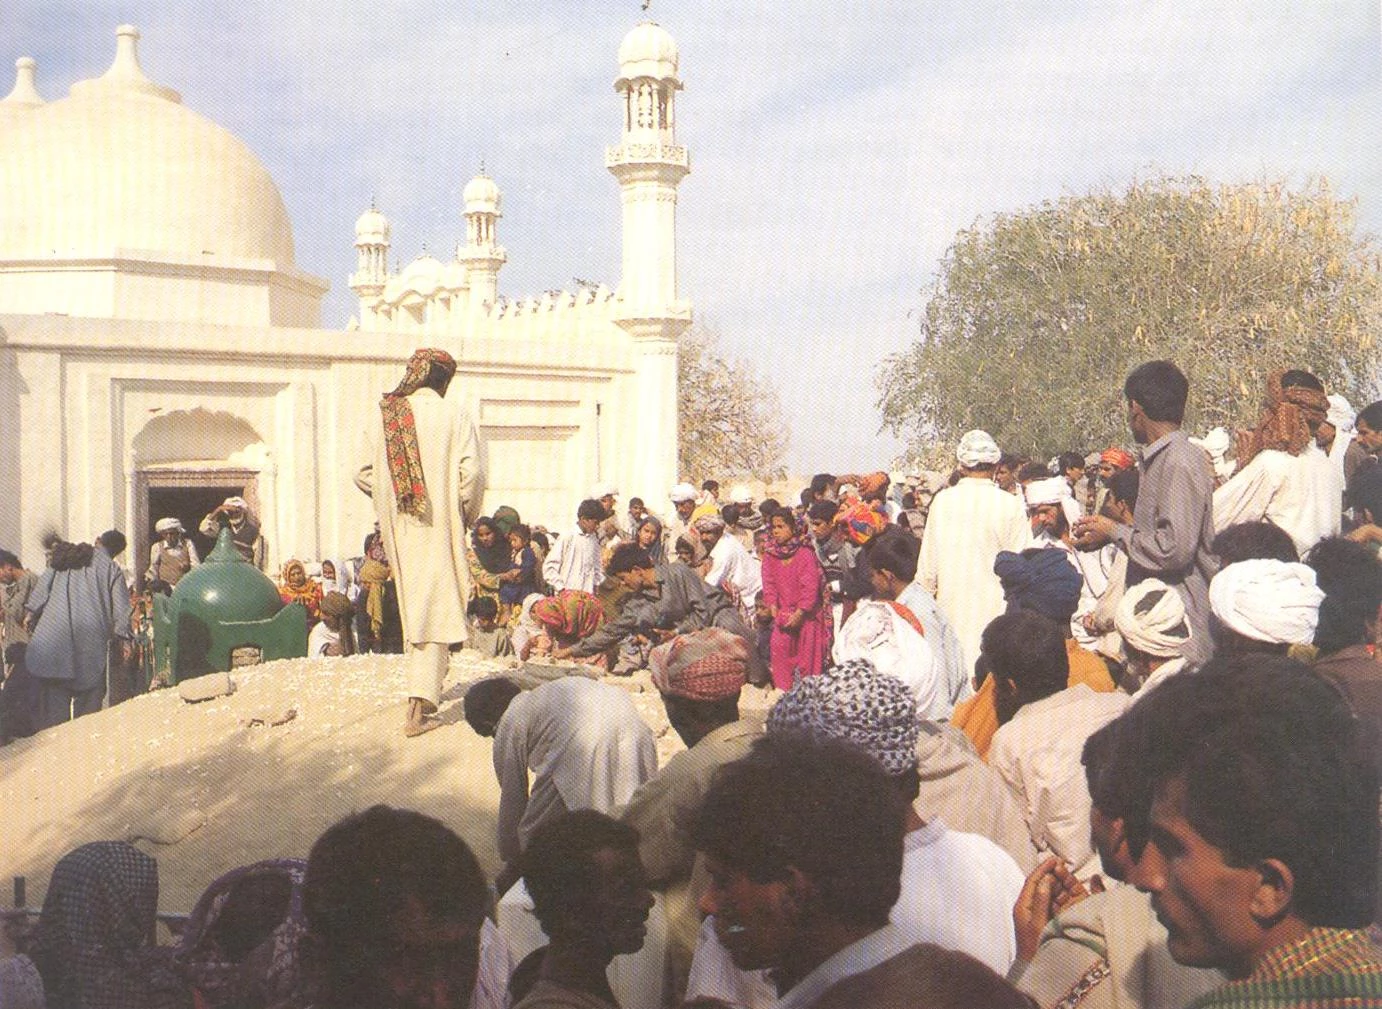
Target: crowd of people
{"points": [[1099, 731]]}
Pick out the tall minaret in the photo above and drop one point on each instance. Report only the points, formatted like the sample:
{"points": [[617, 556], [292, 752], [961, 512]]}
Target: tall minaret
{"points": [[649, 165], [372, 260], [482, 254]]}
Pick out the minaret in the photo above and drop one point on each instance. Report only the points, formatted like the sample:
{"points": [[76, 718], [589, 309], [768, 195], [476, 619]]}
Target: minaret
{"points": [[24, 92], [649, 165], [372, 260], [482, 254]]}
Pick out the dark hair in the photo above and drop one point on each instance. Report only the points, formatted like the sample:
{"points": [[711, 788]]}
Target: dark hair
{"points": [[366, 868], [894, 551], [1032, 471], [525, 533], [1028, 649], [817, 805], [1160, 388], [9, 560], [636, 501], [1274, 766], [729, 513], [486, 701], [558, 865], [485, 520], [1351, 578], [807, 497], [482, 608], [1365, 490], [541, 539], [1069, 460], [1124, 486], [591, 509], [626, 557], [768, 505], [909, 500], [1371, 415], [114, 542], [820, 483], [711, 485], [684, 546], [1245, 541], [823, 511], [1010, 461], [1296, 378], [1115, 770]]}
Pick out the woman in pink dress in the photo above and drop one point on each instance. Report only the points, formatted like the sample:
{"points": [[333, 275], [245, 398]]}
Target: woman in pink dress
{"points": [[795, 600]]}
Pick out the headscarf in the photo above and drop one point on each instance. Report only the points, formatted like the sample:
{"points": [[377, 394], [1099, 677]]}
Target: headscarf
{"points": [[658, 551], [977, 448], [1285, 422], [497, 557], [93, 944], [336, 604], [1267, 600], [860, 521], [268, 975], [706, 665], [400, 430], [854, 702], [309, 594], [1040, 579], [1117, 457], [340, 582], [373, 575], [1053, 491], [1151, 619], [890, 636], [872, 485], [570, 614], [801, 535], [505, 518]]}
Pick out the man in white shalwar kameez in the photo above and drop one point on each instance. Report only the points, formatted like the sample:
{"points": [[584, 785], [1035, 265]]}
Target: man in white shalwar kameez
{"points": [[968, 525], [426, 483]]}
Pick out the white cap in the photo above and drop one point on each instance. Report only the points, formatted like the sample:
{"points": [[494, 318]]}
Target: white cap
{"points": [[604, 490], [167, 525], [740, 494], [977, 448], [682, 492]]}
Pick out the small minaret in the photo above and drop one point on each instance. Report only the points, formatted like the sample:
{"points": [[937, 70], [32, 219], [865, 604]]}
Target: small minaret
{"points": [[372, 259], [482, 253], [649, 165], [24, 93]]}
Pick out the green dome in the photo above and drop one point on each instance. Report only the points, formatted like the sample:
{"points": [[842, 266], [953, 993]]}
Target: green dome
{"points": [[226, 588]]}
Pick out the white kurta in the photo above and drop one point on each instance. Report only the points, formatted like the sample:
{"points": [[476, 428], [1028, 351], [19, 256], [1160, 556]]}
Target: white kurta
{"points": [[574, 562], [427, 553], [967, 527], [731, 564], [1038, 754], [1302, 494]]}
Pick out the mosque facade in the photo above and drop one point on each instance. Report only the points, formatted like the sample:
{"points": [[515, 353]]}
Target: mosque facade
{"points": [[160, 349]]}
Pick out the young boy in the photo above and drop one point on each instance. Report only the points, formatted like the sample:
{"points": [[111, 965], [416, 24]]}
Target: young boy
{"points": [[486, 636]]}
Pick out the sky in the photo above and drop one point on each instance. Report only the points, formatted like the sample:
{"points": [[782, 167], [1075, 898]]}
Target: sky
{"points": [[836, 149]]}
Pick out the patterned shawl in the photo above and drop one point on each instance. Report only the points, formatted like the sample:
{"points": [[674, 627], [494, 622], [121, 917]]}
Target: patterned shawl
{"points": [[93, 945], [400, 430], [267, 974], [861, 522], [801, 536], [1286, 419], [570, 615]]}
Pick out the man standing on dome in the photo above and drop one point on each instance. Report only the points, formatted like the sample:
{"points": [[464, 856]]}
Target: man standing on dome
{"points": [[428, 447], [244, 528]]}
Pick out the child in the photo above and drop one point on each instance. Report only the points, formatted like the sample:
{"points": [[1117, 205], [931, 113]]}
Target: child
{"points": [[520, 581], [486, 636]]}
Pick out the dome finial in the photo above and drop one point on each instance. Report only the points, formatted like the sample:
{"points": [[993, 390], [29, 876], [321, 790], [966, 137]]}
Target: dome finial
{"points": [[125, 73], [24, 92]]}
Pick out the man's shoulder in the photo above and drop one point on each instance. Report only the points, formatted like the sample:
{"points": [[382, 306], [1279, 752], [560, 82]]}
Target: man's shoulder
{"points": [[927, 975]]}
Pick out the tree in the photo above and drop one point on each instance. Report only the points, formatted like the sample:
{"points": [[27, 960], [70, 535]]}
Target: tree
{"points": [[730, 418], [1036, 317]]}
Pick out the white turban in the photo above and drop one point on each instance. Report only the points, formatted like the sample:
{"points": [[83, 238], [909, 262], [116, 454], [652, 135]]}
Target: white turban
{"points": [[603, 490], [167, 525], [236, 502], [740, 495], [1151, 618], [1216, 444], [1267, 600], [977, 448], [682, 492], [1053, 491], [880, 633], [1340, 414]]}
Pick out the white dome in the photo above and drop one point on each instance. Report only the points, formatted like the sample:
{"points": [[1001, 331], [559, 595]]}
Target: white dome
{"points": [[122, 165], [648, 51], [372, 228], [481, 195]]}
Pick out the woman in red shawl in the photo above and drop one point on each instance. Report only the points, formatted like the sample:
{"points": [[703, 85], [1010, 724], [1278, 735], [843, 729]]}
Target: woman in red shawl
{"points": [[296, 587], [795, 600], [566, 618]]}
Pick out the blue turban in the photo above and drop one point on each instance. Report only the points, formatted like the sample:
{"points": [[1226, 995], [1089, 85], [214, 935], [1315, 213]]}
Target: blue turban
{"points": [[1041, 579]]}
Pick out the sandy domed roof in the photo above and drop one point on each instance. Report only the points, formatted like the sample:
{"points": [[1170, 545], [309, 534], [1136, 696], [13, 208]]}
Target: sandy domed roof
{"points": [[121, 164], [648, 51]]}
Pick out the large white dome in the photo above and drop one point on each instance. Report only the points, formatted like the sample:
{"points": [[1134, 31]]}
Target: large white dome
{"points": [[121, 164]]}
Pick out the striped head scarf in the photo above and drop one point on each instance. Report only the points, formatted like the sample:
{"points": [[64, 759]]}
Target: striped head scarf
{"points": [[400, 430]]}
